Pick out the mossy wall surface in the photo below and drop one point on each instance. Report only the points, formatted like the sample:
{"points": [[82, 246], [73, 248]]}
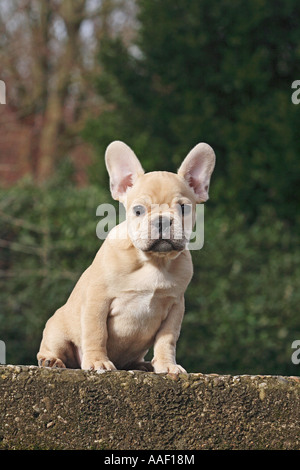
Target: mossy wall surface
{"points": [[75, 409]]}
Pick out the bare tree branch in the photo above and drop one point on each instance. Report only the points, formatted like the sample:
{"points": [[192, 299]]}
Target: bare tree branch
{"points": [[48, 59]]}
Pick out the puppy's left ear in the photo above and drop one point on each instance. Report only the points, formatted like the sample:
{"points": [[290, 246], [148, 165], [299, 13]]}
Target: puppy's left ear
{"points": [[197, 168], [123, 168]]}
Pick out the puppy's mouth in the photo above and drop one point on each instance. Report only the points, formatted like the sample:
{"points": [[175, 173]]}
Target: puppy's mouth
{"points": [[164, 246]]}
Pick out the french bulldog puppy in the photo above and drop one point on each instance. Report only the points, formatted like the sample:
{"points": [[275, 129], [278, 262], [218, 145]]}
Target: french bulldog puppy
{"points": [[132, 295]]}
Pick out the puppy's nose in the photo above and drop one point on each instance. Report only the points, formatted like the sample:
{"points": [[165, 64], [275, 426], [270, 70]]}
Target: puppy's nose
{"points": [[162, 224]]}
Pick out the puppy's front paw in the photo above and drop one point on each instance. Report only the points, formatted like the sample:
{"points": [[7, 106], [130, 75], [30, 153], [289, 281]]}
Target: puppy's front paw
{"points": [[51, 362], [89, 363], [168, 368]]}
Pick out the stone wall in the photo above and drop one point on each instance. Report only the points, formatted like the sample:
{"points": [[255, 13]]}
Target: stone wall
{"points": [[75, 409]]}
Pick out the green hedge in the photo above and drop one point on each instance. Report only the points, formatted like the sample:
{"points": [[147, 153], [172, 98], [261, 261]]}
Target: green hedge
{"points": [[242, 304], [51, 239]]}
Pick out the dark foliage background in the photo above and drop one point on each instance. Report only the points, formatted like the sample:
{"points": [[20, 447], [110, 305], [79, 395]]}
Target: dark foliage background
{"points": [[219, 72]]}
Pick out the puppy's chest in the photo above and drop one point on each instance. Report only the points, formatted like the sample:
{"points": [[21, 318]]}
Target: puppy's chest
{"points": [[145, 296]]}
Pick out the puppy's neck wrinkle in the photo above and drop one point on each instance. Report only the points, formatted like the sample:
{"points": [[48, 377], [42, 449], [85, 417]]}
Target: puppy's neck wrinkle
{"points": [[158, 260]]}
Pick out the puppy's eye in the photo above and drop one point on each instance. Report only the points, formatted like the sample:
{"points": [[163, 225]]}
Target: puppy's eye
{"points": [[185, 209], [139, 210]]}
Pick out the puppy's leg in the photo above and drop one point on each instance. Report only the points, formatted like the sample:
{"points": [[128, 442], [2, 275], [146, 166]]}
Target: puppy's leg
{"points": [[55, 350], [164, 359], [94, 331]]}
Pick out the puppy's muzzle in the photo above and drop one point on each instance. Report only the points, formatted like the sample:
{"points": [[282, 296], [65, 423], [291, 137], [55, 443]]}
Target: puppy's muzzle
{"points": [[162, 237], [162, 224]]}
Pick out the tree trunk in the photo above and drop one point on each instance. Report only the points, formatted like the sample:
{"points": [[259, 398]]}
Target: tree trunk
{"points": [[48, 138]]}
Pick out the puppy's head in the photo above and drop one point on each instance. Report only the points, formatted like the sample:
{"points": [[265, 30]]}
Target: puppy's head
{"points": [[160, 206]]}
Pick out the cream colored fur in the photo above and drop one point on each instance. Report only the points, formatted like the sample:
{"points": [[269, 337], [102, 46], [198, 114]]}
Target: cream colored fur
{"points": [[132, 295]]}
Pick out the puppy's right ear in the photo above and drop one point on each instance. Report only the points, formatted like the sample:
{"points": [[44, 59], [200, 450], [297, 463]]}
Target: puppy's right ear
{"points": [[123, 168]]}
